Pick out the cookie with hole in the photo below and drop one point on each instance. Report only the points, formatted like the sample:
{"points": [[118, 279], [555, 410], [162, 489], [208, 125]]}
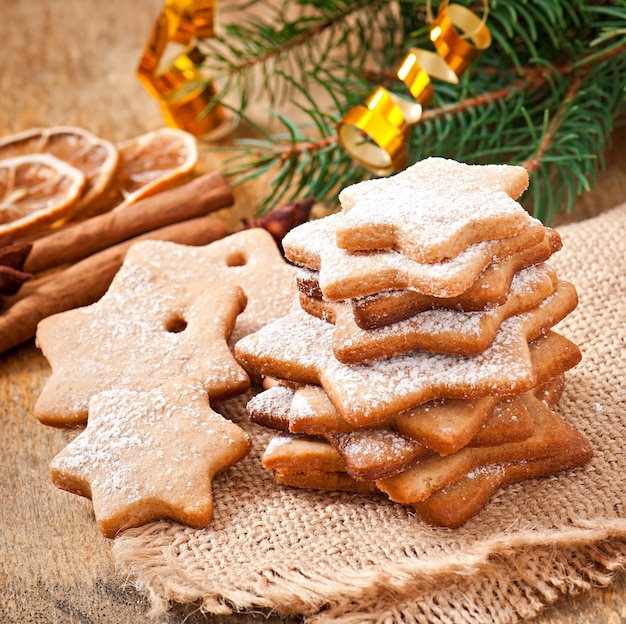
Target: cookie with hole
{"points": [[146, 330], [249, 258]]}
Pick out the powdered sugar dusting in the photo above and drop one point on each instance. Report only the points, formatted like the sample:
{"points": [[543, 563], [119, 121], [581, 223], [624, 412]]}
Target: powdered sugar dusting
{"points": [[344, 274], [156, 446], [276, 399], [380, 446], [435, 208], [130, 338], [299, 347], [445, 330], [249, 258]]}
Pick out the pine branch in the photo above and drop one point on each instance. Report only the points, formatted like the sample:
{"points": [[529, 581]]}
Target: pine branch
{"points": [[253, 58], [510, 107]]}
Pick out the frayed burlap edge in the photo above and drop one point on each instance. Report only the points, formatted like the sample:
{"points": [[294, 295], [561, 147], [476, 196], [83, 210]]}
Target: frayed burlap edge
{"points": [[511, 588], [331, 595]]}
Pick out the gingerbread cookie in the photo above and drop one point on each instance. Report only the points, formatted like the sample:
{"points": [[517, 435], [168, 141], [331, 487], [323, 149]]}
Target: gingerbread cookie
{"points": [[439, 330], [434, 473], [457, 503], [453, 505], [375, 454], [442, 425], [286, 453], [327, 481], [150, 455], [146, 330], [250, 259], [434, 210], [422, 349], [299, 347], [491, 288], [345, 275]]}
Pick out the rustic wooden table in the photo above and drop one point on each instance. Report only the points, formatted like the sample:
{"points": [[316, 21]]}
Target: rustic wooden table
{"points": [[73, 62]]}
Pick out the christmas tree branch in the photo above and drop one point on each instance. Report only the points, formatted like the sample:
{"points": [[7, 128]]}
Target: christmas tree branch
{"points": [[534, 163], [545, 94]]}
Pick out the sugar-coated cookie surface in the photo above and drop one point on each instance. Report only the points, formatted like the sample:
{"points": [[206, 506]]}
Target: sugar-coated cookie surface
{"points": [[298, 347], [345, 275], [439, 330], [249, 259], [288, 453], [150, 455], [490, 288], [442, 425], [421, 348], [416, 484], [146, 330], [453, 505], [434, 209], [375, 454]]}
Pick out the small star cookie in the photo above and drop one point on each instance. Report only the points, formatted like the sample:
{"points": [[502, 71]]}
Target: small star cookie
{"points": [[491, 288], [145, 330], [150, 455], [439, 330], [435, 209]]}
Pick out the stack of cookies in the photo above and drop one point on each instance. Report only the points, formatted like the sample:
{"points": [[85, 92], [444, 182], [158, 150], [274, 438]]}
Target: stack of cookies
{"points": [[420, 362]]}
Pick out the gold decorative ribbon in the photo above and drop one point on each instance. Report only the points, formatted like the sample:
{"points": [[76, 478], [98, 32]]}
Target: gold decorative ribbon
{"points": [[171, 66], [376, 133]]}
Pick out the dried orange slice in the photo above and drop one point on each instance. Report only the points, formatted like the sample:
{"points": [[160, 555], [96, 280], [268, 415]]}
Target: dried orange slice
{"points": [[95, 157], [152, 162], [36, 190]]}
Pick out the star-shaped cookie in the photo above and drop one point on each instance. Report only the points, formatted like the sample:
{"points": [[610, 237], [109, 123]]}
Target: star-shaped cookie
{"points": [[490, 288], [416, 484], [443, 331], [442, 425], [434, 209], [344, 274], [145, 330], [249, 258], [150, 455], [298, 347]]}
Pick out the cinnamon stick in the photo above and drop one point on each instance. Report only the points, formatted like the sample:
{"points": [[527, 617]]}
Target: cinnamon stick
{"points": [[204, 194], [86, 281]]}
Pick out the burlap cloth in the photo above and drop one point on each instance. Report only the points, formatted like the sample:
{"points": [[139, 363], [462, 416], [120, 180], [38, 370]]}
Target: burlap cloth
{"points": [[346, 558]]}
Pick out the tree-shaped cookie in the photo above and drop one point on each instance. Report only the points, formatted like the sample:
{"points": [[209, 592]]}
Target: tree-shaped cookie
{"points": [[150, 455]]}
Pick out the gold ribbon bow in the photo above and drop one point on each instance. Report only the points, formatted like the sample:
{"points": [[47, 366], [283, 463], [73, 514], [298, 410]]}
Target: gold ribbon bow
{"points": [[376, 133], [171, 66]]}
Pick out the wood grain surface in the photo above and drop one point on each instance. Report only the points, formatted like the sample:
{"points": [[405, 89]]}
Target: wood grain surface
{"points": [[72, 62]]}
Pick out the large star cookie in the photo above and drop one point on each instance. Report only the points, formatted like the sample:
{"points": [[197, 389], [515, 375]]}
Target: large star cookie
{"points": [[146, 330], [344, 274], [442, 425], [249, 258], [150, 455], [456, 503], [298, 347], [435, 209]]}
